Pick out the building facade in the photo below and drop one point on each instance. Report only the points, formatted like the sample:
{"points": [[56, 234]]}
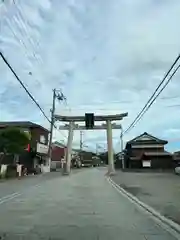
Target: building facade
{"points": [[37, 149], [176, 157], [147, 151], [59, 154]]}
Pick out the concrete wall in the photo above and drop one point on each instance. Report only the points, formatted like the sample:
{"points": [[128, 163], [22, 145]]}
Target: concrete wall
{"points": [[3, 170]]}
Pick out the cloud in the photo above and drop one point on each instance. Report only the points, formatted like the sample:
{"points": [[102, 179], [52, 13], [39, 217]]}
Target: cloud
{"points": [[106, 56]]}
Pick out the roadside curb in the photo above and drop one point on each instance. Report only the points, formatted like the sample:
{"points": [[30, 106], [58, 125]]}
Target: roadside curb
{"points": [[21, 178], [168, 224]]}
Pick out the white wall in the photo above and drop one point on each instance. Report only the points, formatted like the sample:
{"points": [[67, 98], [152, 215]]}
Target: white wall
{"points": [[3, 169]]}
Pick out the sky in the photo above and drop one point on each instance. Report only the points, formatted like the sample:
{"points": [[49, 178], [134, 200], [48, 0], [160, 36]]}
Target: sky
{"points": [[107, 57]]}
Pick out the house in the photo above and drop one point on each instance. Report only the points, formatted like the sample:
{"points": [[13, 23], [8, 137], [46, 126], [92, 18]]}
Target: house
{"points": [[58, 153], [37, 150], [176, 158], [147, 151]]}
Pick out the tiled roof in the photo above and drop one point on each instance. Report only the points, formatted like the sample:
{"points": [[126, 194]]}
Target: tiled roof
{"points": [[157, 153], [146, 137], [56, 143], [27, 124]]}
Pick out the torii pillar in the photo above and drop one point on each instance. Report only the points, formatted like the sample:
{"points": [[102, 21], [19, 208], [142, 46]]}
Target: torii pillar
{"points": [[111, 169], [69, 148]]}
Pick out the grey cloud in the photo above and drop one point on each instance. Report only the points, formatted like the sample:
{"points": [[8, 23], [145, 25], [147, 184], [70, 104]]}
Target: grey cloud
{"points": [[103, 54]]}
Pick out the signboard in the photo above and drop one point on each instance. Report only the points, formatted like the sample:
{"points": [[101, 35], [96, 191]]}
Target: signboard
{"points": [[146, 163], [89, 120], [42, 148]]}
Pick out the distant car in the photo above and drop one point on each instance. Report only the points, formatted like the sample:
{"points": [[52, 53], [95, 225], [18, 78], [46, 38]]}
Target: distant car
{"points": [[177, 170]]}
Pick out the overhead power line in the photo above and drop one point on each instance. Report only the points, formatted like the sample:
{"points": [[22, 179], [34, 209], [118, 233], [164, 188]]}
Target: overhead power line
{"points": [[22, 84], [154, 96], [163, 87], [26, 90], [21, 23]]}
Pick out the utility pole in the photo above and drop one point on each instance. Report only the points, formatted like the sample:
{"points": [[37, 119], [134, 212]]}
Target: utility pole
{"points": [[81, 144], [97, 148], [51, 126], [59, 95], [121, 140]]}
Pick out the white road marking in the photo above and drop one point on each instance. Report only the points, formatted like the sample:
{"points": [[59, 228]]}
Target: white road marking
{"points": [[9, 197], [16, 194]]}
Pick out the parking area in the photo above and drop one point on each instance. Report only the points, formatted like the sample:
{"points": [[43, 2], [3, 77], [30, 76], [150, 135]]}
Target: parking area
{"points": [[159, 190]]}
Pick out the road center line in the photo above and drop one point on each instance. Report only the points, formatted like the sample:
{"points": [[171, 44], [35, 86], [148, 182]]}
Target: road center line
{"points": [[16, 194], [9, 197]]}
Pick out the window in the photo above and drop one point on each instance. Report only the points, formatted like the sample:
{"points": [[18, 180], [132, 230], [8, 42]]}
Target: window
{"points": [[42, 139], [28, 133]]}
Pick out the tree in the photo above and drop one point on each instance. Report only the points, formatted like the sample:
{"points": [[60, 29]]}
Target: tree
{"points": [[13, 141]]}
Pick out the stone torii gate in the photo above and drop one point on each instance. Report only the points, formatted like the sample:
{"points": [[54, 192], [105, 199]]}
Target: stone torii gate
{"points": [[73, 126]]}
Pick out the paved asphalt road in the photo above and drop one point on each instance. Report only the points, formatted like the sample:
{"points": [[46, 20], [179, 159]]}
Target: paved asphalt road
{"points": [[14, 185], [81, 206]]}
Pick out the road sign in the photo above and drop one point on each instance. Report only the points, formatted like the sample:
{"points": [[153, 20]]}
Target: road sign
{"points": [[89, 120]]}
